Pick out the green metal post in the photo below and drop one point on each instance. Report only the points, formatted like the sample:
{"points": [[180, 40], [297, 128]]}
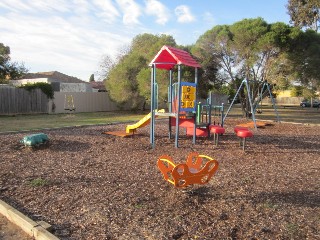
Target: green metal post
{"points": [[198, 113]]}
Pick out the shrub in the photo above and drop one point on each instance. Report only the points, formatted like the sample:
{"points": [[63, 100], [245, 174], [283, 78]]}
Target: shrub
{"points": [[38, 182], [46, 88]]}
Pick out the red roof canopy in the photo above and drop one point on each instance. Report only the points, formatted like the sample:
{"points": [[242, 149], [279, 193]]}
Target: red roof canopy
{"points": [[168, 57]]}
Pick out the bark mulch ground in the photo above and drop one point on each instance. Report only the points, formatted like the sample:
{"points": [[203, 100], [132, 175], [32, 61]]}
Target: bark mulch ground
{"points": [[88, 185]]}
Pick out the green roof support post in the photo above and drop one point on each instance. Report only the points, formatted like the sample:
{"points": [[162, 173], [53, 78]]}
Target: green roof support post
{"points": [[152, 125], [179, 105], [195, 120], [170, 102], [222, 114], [198, 113], [209, 102]]}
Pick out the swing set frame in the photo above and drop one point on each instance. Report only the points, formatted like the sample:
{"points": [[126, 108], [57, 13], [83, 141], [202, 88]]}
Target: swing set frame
{"points": [[265, 86]]}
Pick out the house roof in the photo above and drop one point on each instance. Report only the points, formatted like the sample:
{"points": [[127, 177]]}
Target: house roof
{"points": [[98, 85], [168, 57], [54, 75]]}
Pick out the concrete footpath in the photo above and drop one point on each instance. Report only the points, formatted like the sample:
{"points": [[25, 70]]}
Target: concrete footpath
{"points": [[36, 230]]}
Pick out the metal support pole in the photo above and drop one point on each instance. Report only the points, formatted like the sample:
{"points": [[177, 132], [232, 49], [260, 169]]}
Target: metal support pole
{"points": [[222, 114], [152, 125], [243, 143], [210, 108], [179, 105], [217, 139], [250, 102], [195, 121], [235, 96], [170, 102], [170, 91], [260, 97], [273, 103]]}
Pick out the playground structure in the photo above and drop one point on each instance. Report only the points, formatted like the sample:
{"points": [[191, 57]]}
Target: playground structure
{"points": [[184, 111], [198, 169], [130, 129], [187, 112], [261, 88]]}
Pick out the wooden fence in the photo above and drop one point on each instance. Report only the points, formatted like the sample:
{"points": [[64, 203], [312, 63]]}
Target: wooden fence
{"points": [[21, 101], [82, 102]]}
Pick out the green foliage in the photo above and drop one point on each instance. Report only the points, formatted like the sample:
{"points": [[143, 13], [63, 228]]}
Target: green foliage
{"points": [[38, 182], [91, 79], [128, 81], [304, 13], [293, 230], [283, 84], [208, 73], [46, 88], [4, 54], [309, 93], [9, 70], [296, 91], [248, 49], [270, 205], [304, 55], [144, 84], [229, 90]]}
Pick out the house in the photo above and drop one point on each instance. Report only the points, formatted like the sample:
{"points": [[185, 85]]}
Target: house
{"points": [[59, 81], [98, 86], [71, 93]]}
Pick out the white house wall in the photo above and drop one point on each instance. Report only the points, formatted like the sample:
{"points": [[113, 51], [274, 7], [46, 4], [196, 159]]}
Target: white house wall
{"points": [[18, 83], [75, 87]]}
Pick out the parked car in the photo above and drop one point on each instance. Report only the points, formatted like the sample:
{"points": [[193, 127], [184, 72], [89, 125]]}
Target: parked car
{"points": [[306, 103]]}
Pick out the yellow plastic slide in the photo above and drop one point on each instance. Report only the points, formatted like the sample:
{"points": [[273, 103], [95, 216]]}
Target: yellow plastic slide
{"points": [[142, 122]]}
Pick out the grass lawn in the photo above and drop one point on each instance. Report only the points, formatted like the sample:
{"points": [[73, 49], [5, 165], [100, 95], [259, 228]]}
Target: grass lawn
{"points": [[40, 121], [288, 114]]}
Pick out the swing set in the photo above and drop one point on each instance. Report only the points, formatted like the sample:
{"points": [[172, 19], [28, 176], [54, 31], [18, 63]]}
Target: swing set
{"points": [[262, 89]]}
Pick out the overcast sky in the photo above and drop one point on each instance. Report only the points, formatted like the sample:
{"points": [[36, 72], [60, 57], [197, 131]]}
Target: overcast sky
{"points": [[71, 36]]}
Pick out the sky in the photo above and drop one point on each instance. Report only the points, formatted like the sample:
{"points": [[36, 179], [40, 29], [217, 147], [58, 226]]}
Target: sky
{"points": [[73, 36]]}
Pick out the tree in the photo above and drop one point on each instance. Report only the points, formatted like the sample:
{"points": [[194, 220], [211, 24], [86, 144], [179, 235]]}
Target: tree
{"points": [[304, 55], [246, 49], [121, 82], [128, 80], [209, 78], [91, 79], [304, 13], [9, 70], [46, 88]]}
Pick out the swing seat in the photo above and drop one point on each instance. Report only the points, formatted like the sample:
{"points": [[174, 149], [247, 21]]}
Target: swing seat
{"points": [[198, 169]]}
